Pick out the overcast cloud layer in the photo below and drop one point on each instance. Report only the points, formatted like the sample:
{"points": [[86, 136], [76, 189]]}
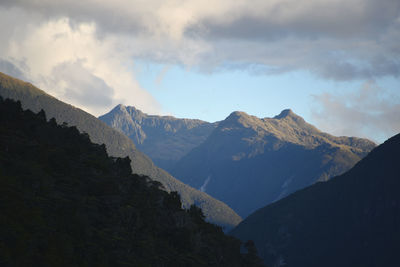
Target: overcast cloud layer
{"points": [[78, 49]]}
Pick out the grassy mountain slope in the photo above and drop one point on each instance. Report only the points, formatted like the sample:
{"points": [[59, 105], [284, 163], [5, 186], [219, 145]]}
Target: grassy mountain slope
{"points": [[117, 145], [164, 139], [249, 162], [64, 202], [351, 220]]}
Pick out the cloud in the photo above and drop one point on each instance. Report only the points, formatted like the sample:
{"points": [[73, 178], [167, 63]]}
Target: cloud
{"points": [[71, 62], [81, 85], [371, 111], [335, 39]]}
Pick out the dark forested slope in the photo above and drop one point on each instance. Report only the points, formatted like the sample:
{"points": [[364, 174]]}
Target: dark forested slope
{"points": [[351, 220], [117, 145], [64, 202]]}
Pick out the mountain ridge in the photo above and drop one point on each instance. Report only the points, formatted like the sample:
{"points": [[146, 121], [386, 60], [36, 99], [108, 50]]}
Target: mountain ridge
{"points": [[295, 127], [267, 157]]}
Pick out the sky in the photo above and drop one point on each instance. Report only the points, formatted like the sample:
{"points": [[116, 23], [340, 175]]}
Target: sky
{"points": [[336, 63]]}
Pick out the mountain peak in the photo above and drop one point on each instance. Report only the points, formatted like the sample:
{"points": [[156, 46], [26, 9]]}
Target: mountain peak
{"points": [[286, 113], [289, 114], [132, 111], [129, 111], [240, 117], [119, 108], [238, 114]]}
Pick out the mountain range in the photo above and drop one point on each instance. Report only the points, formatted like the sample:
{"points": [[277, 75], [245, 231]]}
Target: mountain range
{"points": [[65, 202], [350, 220], [117, 145], [75, 191], [244, 161]]}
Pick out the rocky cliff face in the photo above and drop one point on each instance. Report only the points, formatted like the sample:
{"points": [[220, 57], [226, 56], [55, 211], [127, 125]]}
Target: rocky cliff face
{"points": [[165, 139]]}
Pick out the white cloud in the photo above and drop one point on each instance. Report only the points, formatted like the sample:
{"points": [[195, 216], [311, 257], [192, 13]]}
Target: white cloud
{"points": [[334, 39], [73, 63], [322, 36], [369, 112]]}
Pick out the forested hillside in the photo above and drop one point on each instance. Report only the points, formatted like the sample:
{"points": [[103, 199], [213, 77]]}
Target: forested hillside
{"points": [[350, 220], [65, 202], [117, 145]]}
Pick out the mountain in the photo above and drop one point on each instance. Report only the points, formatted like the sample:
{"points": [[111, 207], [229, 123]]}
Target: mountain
{"points": [[117, 145], [351, 220], [165, 139], [248, 162], [65, 202]]}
